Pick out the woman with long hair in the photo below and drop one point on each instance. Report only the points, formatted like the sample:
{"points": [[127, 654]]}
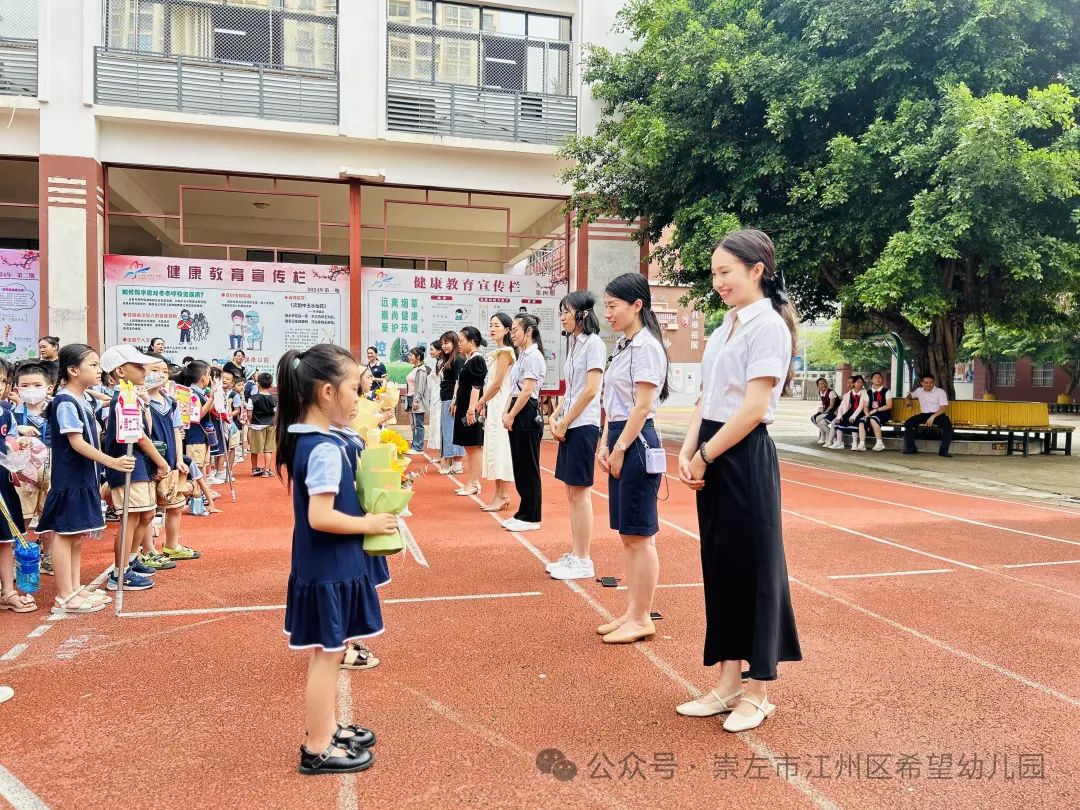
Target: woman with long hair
{"points": [[635, 383], [729, 459], [434, 431], [576, 427], [524, 421], [451, 362], [468, 424], [498, 465]]}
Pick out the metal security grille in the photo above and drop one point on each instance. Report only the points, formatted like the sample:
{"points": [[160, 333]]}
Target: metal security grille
{"points": [[263, 58], [270, 33], [478, 59], [18, 47], [466, 82]]}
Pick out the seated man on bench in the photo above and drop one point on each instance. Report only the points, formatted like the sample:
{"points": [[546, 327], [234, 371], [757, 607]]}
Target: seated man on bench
{"points": [[932, 403]]}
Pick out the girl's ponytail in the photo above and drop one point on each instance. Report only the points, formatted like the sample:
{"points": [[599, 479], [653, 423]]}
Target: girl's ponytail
{"points": [[289, 410], [299, 375], [751, 247]]}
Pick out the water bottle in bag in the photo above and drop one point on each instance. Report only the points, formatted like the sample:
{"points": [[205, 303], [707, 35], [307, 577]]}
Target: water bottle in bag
{"points": [[27, 566]]}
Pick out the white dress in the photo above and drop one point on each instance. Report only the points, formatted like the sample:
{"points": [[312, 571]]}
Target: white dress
{"points": [[497, 461], [434, 415]]}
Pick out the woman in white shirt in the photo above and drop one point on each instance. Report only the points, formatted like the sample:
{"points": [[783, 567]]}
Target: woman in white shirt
{"points": [[524, 421], [576, 427], [635, 383], [434, 437], [729, 459], [498, 465]]}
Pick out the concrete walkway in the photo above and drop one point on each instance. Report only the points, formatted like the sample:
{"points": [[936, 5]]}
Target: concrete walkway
{"points": [[1053, 480]]}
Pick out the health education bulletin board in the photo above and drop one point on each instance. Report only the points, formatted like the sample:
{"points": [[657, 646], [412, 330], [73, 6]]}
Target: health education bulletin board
{"points": [[406, 308], [209, 308], [20, 304]]}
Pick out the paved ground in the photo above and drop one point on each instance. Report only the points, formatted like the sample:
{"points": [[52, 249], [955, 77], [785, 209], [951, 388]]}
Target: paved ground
{"points": [[1053, 479], [938, 631]]}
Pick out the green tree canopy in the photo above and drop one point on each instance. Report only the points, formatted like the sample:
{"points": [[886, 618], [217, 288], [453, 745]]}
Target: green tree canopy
{"points": [[827, 350], [919, 159]]}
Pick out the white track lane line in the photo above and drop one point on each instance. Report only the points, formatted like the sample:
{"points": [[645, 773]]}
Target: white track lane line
{"points": [[347, 794], [933, 512], [974, 659], [14, 652], [756, 745], [969, 566], [151, 614], [1047, 690], [17, 794], [1037, 564], [893, 573], [937, 490]]}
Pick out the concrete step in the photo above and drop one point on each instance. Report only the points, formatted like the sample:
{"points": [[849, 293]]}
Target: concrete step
{"points": [[959, 447]]}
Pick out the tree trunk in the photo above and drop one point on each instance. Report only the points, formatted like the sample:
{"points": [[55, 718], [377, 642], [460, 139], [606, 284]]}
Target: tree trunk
{"points": [[946, 333], [1073, 370]]}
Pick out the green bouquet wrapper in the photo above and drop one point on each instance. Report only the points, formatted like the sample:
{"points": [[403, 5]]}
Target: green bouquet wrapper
{"points": [[394, 502]]}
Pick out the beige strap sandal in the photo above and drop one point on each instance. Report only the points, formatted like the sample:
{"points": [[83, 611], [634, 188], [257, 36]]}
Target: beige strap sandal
{"points": [[700, 708], [740, 722]]}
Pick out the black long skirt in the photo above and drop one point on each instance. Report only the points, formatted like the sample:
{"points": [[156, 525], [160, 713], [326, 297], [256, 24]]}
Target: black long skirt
{"points": [[747, 601]]}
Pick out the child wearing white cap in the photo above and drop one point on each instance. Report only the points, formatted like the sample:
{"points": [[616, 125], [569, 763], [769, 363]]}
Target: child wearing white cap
{"points": [[128, 364]]}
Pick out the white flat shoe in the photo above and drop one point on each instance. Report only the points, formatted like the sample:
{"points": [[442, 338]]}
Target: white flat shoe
{"points": [[738, 722], [698, 708]]}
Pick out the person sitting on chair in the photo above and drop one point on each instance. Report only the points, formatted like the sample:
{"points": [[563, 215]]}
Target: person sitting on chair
{"points": [[852, 407], [932, 403], [826, 411], [878, 412]]}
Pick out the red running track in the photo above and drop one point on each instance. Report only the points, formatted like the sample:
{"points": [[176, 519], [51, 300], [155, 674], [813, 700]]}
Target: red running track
{"points": [[938, 630]]}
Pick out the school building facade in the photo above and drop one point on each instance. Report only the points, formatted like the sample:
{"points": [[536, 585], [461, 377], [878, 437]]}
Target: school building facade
{"points": [[397, 134]]}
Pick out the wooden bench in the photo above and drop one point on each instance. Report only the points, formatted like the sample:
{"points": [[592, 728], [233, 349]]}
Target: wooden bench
{"points": [[995, 419]]}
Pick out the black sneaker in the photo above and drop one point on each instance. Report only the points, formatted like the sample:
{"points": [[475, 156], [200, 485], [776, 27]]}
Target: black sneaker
{"points": [[326, 763], [112, 516], [256, 472]]}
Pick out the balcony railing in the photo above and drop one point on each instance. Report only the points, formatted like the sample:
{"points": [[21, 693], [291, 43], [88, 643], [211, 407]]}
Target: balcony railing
{"points": [[478, 112], [18, 67], [186, 84]]}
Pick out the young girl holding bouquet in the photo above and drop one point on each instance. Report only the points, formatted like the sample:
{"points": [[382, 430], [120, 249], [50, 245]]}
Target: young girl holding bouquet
{"points": [[331, 598]]}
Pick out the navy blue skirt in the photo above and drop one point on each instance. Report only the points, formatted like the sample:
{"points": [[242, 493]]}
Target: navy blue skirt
{"points": [[632, 496], [72, 511], [576, 461], [14, 508]]}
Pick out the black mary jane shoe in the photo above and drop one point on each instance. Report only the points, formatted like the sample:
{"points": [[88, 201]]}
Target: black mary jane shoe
{"points": [[326, 763], [361, 738]]}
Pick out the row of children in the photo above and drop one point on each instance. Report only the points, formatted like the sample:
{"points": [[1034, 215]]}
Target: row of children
{"points": [[76, 466]]}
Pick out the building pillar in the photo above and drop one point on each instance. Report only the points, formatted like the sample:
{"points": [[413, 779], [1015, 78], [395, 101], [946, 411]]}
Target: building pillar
{"points": [[71, 219], [71, 232]]}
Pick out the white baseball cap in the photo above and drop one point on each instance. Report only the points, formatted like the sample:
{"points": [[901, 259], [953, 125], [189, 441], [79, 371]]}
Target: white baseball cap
{"points": [[117, 356]]}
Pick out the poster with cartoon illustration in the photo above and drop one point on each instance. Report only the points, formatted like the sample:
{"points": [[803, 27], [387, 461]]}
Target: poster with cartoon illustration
{"points": [[419, 305], [209, 309], [20, 303]]}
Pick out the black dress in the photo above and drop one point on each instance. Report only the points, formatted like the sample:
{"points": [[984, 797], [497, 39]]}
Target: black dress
{"points": [[472, 375]]}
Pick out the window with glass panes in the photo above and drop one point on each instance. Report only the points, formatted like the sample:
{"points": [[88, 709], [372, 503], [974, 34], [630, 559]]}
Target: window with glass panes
{"points": [[1042, 375], [461, 43], [1006, 373]]}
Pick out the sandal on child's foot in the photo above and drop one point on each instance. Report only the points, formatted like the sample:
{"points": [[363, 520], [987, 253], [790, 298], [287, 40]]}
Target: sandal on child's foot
{"points": [[18, 602], [331, 762], [63, 606], [357, 656], [358, 737]]}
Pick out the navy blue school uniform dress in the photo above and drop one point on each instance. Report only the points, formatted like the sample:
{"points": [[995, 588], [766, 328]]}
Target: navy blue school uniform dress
{"points": [[7, 486], [163, 428], [331, 598], [73, 505], [354, 446]]}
